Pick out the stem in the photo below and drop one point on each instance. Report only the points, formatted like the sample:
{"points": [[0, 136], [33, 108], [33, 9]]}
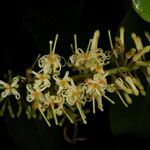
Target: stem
{"points": [[121, 69], [109, 72]]}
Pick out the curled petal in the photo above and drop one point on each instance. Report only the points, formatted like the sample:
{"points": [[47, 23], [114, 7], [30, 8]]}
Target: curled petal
{"points": [[30, 98], [15, 81], [4, 94], [29, 88], [16, 93], [3, 83], [58, 112], [70, 101]]}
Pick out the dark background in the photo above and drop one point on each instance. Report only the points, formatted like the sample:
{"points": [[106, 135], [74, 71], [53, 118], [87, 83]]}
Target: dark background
{"points": [[26, 29]]}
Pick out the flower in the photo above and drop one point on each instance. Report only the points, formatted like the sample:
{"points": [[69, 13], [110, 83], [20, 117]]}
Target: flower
{"points": [[51, 63], [92, 59], [96, 89], [56, 104], [62, 83], [10, 89], [42, 79], [34, 93], [74, 95]]}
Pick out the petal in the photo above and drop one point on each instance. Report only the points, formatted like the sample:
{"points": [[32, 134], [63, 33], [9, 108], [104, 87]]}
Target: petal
{"points": [[47, 83], [36, 74], [3, 83], [70, 101], [37, 83], [29, 98], [29, 88], [16, 93], [58, 112], [14, 82], [4, 94]]}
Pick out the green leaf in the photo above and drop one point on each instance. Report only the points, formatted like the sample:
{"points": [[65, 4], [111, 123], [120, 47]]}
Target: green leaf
{"points": [[142, 7], [134, 120]]}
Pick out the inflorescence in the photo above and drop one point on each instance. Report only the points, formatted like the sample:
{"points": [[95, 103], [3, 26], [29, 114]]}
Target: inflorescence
{"points": [[50, 94]]}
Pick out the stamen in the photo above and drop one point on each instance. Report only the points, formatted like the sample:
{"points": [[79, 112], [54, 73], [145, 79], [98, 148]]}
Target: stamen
{"points": [[54, 47], [95, 39], [109, 99], [34, 63], [93, 102], [81, 112], [122, 99], [131, 83], [70, 119], [142, 52], [128, 98], [75, 42], [99, 101], [122, 35], [138, 83], [110, 39], [89, 44], [48, 123], [51, 45], [111, 45], [54, 113], [136, 41], [140, 43]]}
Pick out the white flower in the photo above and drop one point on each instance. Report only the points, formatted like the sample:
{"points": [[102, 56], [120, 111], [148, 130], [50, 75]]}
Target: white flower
{"points": [[74, 95], [56, 104], [34, 93], [51, 63], [96, 89], [42, 79], [93, 56], [63, 83], [10, 88]]}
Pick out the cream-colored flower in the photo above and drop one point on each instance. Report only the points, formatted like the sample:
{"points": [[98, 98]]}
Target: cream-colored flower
{"points": [[93, 56], [10, 89], [51, 63], [34, 93], [96, 89], [56, 104], [74, 96], [42, 79], [63, 83]]}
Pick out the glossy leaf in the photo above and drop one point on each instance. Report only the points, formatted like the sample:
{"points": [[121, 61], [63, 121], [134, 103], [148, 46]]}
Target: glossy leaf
{"points": [[142, 7]]}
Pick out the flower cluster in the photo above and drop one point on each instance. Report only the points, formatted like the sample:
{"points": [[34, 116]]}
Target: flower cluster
{"points": [[51, 95]]}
